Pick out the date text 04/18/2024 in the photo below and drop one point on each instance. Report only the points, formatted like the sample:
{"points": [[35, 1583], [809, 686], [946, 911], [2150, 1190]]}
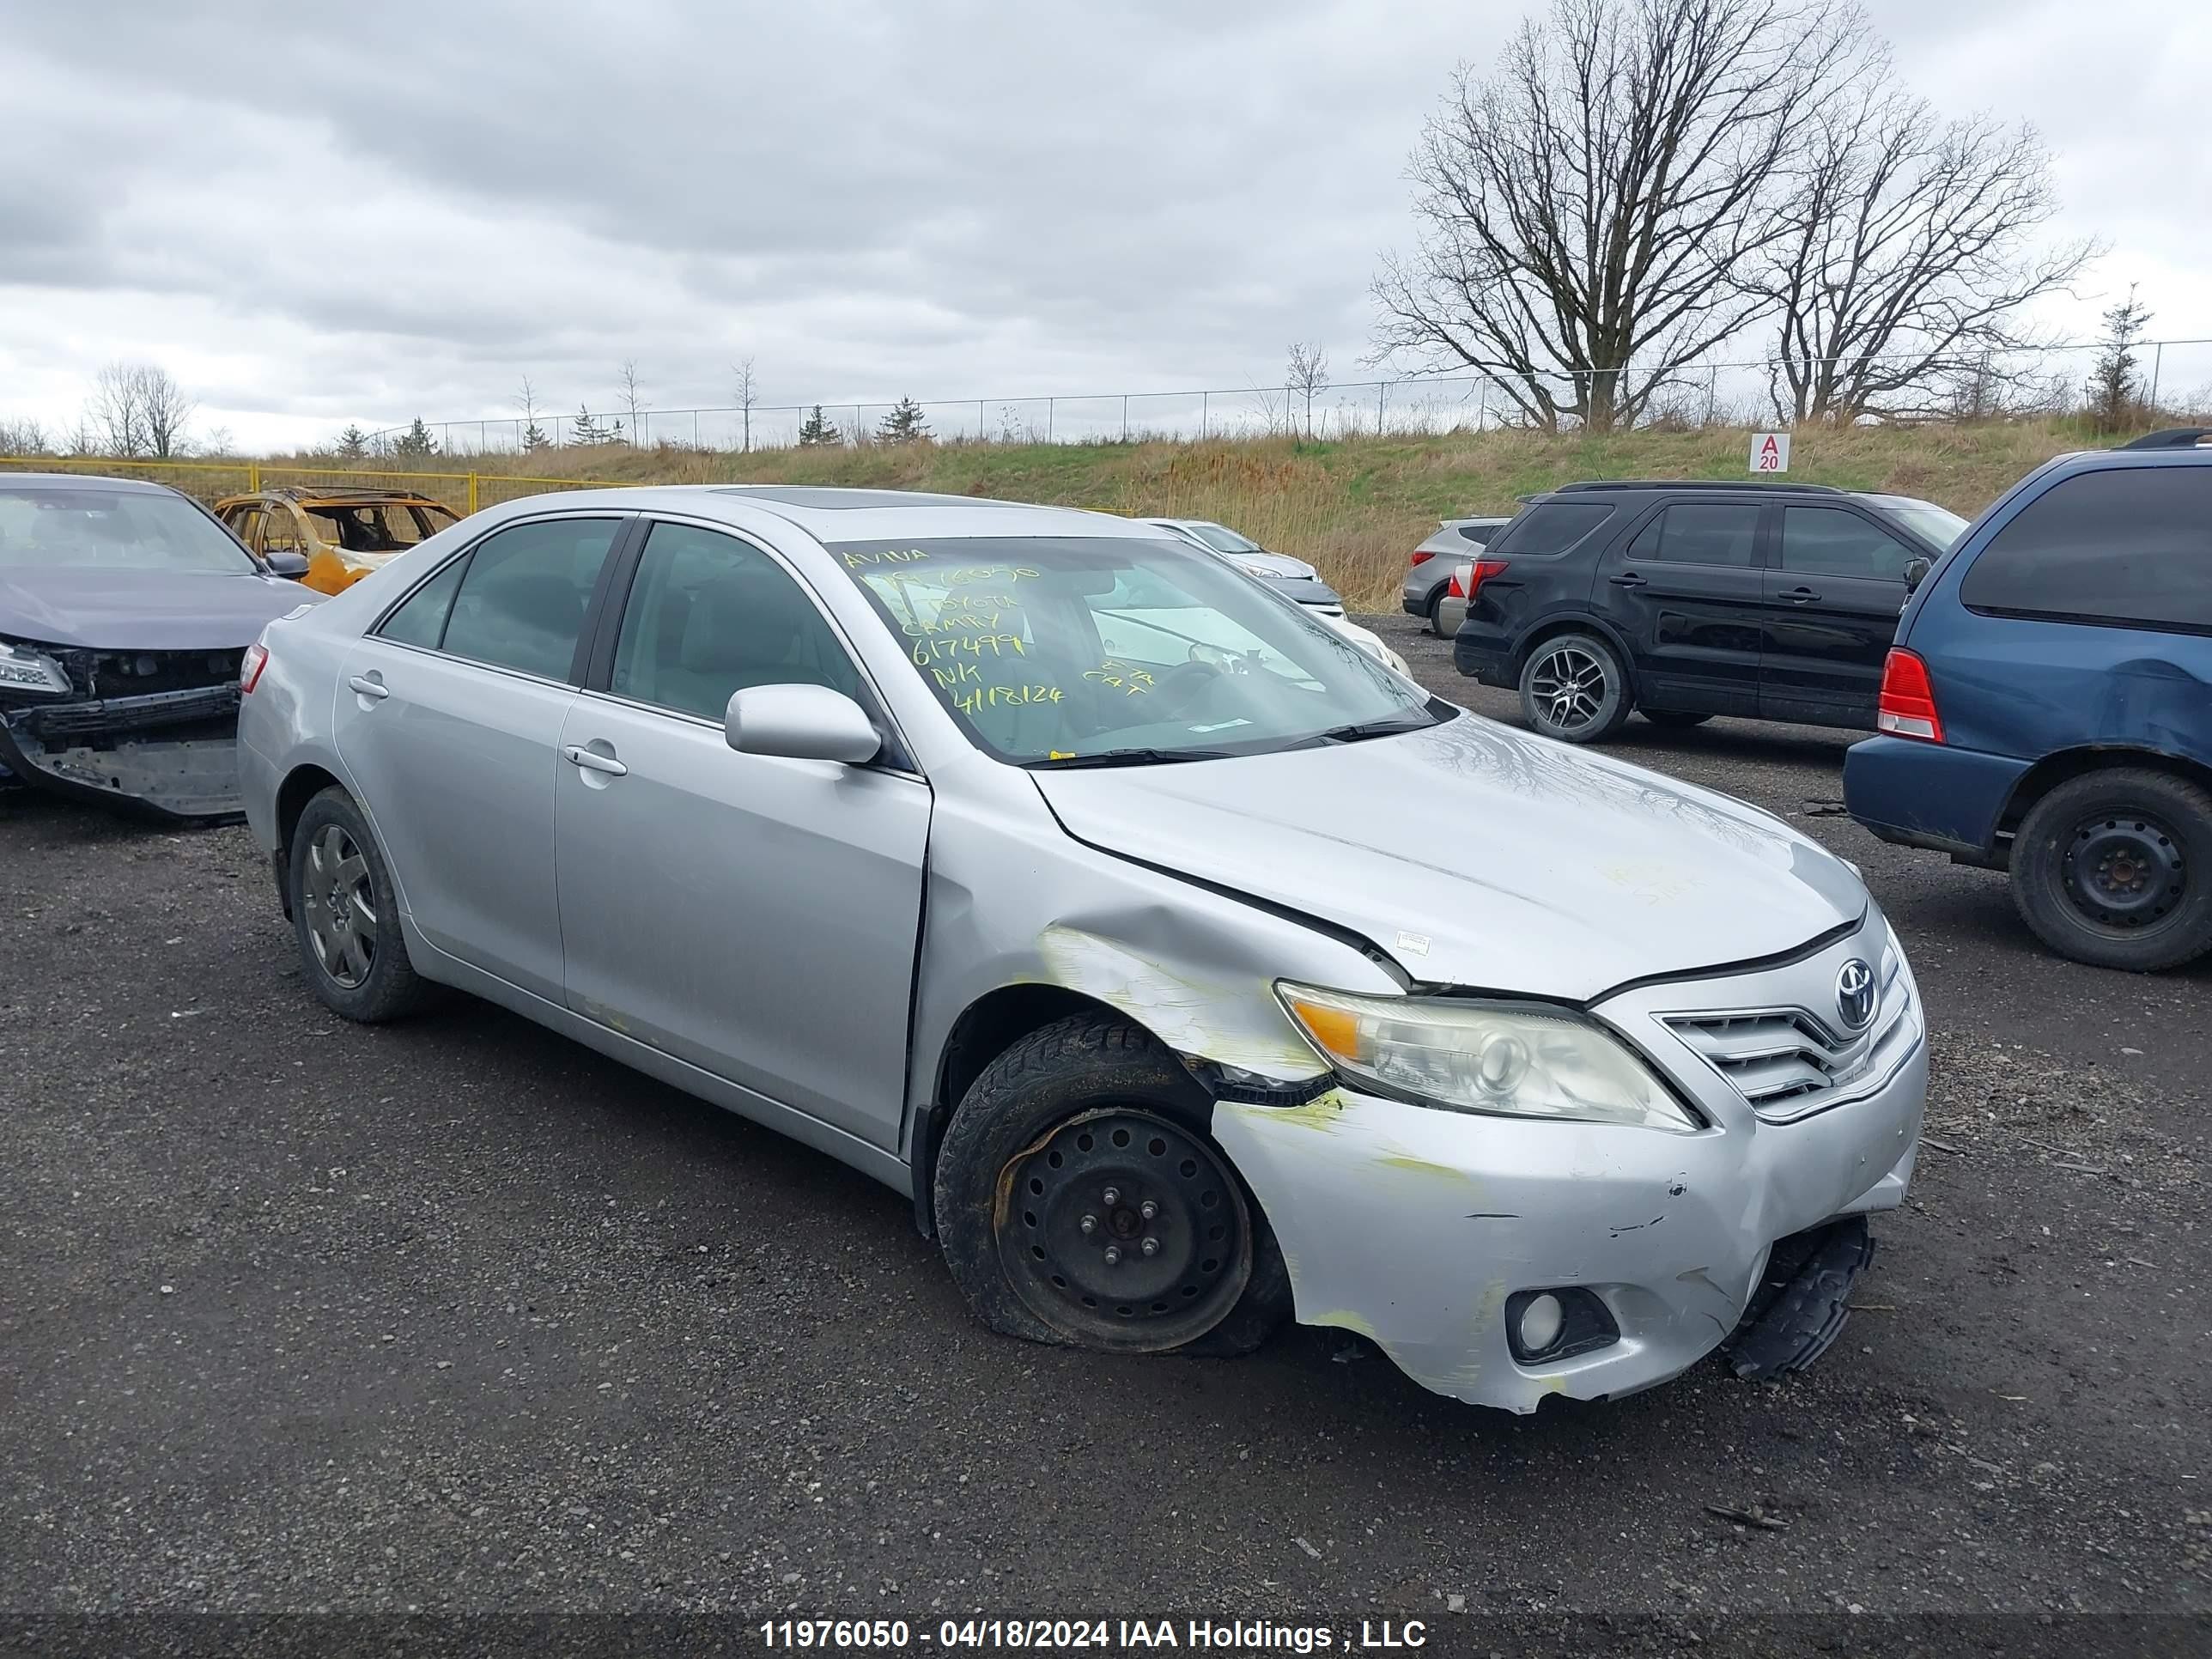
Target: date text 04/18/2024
{"points": [[1097, 1635]]}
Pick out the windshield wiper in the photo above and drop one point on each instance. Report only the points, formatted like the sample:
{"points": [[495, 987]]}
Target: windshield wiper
{"points": [[1124, 757], [1389, 728]]}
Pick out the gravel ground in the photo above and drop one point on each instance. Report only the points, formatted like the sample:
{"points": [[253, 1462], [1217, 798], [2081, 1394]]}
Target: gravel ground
{"points": [[458, 1317]]}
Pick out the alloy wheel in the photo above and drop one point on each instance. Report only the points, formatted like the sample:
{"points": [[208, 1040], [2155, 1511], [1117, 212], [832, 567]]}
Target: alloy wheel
{"points": [[1124, 1229], [1569, 686], [340, 901]]}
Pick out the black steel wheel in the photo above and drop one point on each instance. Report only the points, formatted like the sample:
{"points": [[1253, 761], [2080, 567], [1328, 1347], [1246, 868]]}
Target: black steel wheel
{"points": [[1042, 1186], [2115, 868], [1122, 1228]]}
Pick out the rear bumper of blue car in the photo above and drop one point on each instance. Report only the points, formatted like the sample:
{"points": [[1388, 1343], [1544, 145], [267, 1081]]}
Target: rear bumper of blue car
{"points": [[1930, 794]]}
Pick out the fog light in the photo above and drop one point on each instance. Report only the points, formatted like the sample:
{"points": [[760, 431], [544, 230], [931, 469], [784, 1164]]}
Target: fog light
{"points": [[1542, 1322], [1544, 1326]]}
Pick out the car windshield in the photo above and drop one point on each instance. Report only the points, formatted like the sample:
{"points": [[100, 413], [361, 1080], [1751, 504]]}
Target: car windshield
{"points": [[377, 526], [1224, 540], [1069, 650], [1936, 526], [111, 530]]}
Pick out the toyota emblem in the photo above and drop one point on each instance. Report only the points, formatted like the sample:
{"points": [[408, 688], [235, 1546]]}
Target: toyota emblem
{"points": [[1855, 997]]}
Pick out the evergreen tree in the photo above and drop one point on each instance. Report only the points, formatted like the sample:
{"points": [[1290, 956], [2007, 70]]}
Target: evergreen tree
{"points": [[415, 441], [903, 425], [534, 439], [814, 431], [353, 444], [2115, 393], [586, 430]]}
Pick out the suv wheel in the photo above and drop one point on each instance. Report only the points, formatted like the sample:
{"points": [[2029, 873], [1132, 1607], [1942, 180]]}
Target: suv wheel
{"points": [[1573, 688], [2115, 869], [1437, 610]]}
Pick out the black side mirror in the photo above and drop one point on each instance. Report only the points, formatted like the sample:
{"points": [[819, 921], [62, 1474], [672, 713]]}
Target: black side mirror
{"points": [[286, 563], [1916, 572]]}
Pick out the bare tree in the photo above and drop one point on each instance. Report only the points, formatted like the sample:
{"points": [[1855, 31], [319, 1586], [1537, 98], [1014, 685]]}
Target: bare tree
{"points": [[165, 409], [633, 399], [1307, 376], [118, 425], [1906, 260], [748, 394], [138, 409], [24, 437], [1598, 202]]}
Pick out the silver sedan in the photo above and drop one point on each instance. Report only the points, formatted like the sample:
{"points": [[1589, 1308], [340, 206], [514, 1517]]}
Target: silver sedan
{"points": [[1087, 895]]}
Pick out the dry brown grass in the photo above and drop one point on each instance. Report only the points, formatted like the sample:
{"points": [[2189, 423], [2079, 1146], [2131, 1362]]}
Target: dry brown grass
{"points": [[1354, 507]]}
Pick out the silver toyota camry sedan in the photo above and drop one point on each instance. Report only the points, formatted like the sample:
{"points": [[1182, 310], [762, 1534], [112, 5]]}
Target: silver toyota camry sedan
{"points": [[1187, 968]]}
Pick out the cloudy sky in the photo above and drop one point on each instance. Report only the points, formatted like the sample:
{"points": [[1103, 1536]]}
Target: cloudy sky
{"points": [[314, 213]]}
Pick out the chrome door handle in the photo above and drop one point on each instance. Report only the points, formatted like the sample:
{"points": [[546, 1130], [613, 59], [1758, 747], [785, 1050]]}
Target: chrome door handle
{"points": [[376, 690], [591, 761]]}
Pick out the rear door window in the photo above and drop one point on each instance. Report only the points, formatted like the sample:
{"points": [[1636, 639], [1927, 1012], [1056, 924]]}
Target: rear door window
{"points": [[1828, 541], [1701, 532], [2125, 546], [1551, 527], [523, 598]]}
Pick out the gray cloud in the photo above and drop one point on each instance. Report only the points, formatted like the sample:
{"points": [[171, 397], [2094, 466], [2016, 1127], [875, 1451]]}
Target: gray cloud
{"points": [[319, 213]]}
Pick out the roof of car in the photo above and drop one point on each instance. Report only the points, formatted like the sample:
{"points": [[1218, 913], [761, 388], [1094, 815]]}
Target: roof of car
{"points": [[336, 497], [856, 515], [41, 480], [1595, 485]]}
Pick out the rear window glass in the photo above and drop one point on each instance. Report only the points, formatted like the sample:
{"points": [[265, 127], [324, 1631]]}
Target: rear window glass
{"points": [[1551, 527], [2130, 545]]}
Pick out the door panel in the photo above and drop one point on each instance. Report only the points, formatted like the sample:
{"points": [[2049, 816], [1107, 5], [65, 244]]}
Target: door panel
{"points": [[1833, 598], [1688, 591], [455, 765], [449, 719], [756, 917]]}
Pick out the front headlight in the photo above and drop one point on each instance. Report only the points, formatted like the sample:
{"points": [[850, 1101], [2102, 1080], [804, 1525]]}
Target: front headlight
{"points": [[1486, 1057], [1391, 659], [22, 669]]}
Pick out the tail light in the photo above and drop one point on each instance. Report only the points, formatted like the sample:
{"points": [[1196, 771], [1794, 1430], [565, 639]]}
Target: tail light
{"points": [[250, 667], [1422, 555], [1907, 707], [1466, 582]]}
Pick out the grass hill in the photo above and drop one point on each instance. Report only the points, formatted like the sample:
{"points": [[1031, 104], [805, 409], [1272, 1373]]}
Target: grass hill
{"points": [[1355, 506]]}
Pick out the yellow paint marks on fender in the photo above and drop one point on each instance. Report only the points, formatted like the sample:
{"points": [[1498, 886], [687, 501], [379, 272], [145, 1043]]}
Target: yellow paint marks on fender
{"points": [[1344, 1319]]}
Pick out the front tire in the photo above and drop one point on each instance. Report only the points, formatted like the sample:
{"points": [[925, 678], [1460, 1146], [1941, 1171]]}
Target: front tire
{"points": [[2114, 869], [1081, 1201], [1574, 688], [345, 915]]}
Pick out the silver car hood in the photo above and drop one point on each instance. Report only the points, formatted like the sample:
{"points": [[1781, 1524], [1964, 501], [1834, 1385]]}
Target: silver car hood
{"points": [[1480, 856], [1275, 564]]}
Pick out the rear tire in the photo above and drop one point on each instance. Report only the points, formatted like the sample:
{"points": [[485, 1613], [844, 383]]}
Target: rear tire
{"points": [[1088, 1106], [1674, 720], [2114, 869], [1436, 623], [1574, 688], [345, 915]]}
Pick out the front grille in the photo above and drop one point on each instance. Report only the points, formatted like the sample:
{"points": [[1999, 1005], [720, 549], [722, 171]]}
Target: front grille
{"points": [[1789, 1062]]}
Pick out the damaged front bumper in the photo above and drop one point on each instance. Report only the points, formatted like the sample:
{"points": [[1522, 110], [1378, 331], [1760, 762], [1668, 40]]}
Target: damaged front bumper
{"points": [[1429, 1231], [174, 752]]}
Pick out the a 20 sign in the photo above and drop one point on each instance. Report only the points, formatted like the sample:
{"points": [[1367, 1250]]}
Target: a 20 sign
{"points": [[1770, 452]]}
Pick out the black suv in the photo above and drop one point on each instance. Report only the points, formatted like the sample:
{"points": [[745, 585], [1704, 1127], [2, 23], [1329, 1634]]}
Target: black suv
{"points": [[1686, 601]]}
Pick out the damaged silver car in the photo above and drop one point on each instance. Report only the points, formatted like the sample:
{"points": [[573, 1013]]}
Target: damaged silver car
{"points": [[1089, 895], [125, 609]]}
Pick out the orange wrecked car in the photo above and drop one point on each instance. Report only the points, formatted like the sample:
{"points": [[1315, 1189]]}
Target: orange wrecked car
{"points": [[343, 534]]}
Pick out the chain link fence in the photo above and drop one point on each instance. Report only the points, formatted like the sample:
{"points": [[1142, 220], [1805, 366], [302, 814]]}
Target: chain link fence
{"points": [[2173, 376]]}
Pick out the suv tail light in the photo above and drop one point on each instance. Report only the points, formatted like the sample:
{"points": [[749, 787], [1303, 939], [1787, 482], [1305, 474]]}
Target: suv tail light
{"points": [[1907, 708], [1466, 582], [1422, 555], [250, 667]]}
